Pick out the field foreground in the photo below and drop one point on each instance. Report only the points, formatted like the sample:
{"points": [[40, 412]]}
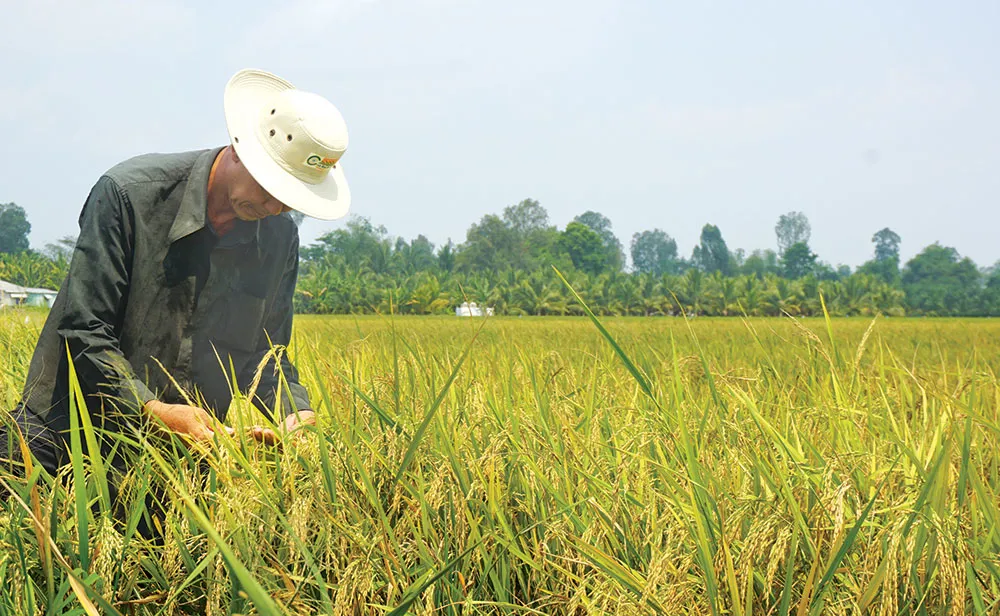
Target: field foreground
{"points": [[767, 466]]}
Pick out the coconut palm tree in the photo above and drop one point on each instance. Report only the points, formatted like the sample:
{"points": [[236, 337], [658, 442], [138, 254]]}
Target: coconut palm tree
{"points": [[855, 295], [650, 294], [722, 294], [810, 304], [751, 291], [691, 291], [425, 296], [538, 296], [626, 294], [783, 296], [886, 298]]}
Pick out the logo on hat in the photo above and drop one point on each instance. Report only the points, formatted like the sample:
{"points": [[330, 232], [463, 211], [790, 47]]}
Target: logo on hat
{"points": [[320, 162]]}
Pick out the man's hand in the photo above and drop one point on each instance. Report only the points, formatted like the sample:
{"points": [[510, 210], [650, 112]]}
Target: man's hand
{"points": [[293, 422], [189, 421]]}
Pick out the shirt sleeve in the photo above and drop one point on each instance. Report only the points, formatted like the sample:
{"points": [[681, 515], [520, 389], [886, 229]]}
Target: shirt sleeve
{"points": [[278, 327], [97, 287]]}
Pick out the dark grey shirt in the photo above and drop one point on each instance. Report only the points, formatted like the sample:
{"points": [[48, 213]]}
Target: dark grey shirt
{"points": [[155, 300]]}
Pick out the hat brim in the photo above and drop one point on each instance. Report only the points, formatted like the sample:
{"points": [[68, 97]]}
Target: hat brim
{"points": [[245, 93]]}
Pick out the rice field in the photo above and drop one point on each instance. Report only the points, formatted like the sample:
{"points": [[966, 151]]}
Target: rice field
{"points": [[553, 466]]}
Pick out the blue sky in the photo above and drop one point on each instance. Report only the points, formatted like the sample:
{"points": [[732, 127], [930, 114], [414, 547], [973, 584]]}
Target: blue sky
{"points": [[657, 114]]}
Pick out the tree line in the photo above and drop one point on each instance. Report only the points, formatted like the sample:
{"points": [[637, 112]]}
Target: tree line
{"points": [[507, 259]]}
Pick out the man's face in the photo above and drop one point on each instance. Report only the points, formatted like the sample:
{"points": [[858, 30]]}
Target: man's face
{"points": [[248, 199]]}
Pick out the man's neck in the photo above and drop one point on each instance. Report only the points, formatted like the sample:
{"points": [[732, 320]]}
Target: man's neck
{"points": [[220, 215]]}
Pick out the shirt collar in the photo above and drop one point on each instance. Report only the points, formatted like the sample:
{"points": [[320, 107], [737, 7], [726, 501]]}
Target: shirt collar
{"points": [[191, 213]]}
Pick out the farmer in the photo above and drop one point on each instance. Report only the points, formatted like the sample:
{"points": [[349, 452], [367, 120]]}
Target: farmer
{"points": [[183, 275]]}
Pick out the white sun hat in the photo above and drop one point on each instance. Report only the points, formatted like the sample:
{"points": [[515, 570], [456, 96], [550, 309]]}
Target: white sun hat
{"points": [[290, 141]]}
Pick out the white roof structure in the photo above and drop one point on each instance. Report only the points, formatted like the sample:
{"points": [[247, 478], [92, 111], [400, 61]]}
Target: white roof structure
{"points": [[12, 294], [472, 310], [11, 288]]}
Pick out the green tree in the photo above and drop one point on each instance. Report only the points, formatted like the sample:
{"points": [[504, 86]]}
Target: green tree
{"points": [[539, 294], [489, 245], [990, 296], [416, 256], [798, 261], [885, 265], [690, 290], [359, 244], [446, 257], [824, 271], [712, 254], [534, 242], [886, 245], [521, 239], [739, 257], [14, 229], [526, 217], [654, 252], [723, 294], [426, 295], [751, 295], [783, 296], [792, 228], [584, 247], [32, 269], [601, 225], [760, 263], [939, 282]]}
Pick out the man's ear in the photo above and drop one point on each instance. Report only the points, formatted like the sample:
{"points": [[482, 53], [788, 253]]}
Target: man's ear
{"points": [[232, 151]]}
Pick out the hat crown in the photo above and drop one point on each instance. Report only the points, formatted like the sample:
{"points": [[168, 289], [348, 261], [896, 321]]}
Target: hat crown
{"points": [[303, 133]]}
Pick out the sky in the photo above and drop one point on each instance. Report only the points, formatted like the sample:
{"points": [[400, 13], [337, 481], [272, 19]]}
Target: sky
{"points": [[657, 114]]}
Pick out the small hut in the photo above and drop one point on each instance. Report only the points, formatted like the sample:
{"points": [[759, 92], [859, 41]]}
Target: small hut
{"points": [[15, 295], [471, 309]]}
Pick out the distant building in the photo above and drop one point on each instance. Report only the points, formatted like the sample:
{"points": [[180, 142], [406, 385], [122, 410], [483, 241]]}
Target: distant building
{"points": [[468, 309], [16, 295]]}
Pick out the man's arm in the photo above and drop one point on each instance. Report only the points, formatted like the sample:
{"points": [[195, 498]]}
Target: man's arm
{"points": [[97, 289]]}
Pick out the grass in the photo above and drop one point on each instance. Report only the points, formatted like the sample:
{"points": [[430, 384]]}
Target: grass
{"points": [[544, 465]]}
